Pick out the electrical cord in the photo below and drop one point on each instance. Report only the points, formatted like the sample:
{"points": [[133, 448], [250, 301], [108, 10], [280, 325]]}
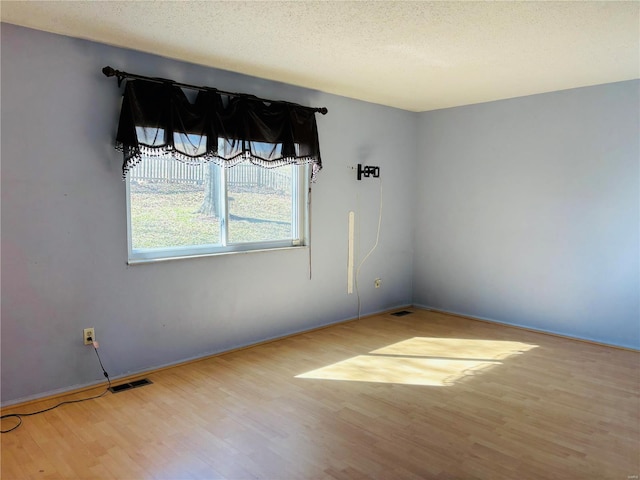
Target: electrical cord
{"points": [[375, 245], [20, 415]]}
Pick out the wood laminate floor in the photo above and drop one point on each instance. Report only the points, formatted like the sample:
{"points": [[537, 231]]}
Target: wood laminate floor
{"points": [[424, 396]]}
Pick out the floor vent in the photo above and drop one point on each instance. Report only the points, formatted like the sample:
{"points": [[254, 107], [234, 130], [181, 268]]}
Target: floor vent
{"points": [[401, 313], [130, 385]]}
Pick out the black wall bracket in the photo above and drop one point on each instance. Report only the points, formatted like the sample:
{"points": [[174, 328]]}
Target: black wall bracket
{"points": [[367, 171]]}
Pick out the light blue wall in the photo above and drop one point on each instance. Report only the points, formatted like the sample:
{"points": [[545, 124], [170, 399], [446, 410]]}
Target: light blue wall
{"points": [[64, 226], [528, 212], [522, 211]]}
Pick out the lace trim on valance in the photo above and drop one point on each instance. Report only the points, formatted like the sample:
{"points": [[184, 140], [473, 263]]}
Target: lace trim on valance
{"points": [[134, 155]]}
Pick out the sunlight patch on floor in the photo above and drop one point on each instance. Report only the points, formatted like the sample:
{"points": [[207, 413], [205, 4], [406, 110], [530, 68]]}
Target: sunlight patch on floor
{"points": [[422, 361]]}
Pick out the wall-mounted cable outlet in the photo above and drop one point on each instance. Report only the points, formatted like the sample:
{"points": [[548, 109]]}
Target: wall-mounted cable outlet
{"points": [[377, 283], [89, 336]]}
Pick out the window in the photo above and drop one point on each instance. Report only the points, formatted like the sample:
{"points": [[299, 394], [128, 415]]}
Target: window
{"points": [[182, 210], [215, 172]]}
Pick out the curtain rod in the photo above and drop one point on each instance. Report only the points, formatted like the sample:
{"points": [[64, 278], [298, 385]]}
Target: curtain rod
{"points": [[111, 72]]}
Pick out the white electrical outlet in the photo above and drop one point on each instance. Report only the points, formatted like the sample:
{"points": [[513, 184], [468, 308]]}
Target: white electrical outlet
{"points": [[89, 336], [377, 283]]}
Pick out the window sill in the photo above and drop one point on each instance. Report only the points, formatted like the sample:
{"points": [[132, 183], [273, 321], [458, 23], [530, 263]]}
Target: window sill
{"points": [[142, 261]]}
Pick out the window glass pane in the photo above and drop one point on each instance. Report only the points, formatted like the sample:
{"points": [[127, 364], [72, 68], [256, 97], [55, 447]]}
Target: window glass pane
{"points": [[193, 145], [174, 204], [150, 136], [260, 203]]}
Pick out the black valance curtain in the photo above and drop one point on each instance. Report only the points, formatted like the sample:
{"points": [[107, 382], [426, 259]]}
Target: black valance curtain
{"points": [[158, 120]]}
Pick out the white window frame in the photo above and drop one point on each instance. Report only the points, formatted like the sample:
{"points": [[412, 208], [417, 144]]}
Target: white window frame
{"points": [[300, 228]]}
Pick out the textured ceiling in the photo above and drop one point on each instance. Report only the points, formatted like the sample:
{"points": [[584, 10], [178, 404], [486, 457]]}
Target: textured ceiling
{"points": [[411, 55]]}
